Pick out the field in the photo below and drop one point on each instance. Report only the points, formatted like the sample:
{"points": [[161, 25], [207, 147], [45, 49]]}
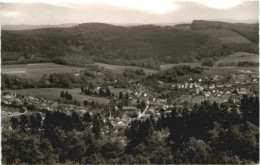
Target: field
{"points": [[36, 71], [237, 39], [199, 99], [54, 94], [225, 71], [120, 69], [236, 57], [7, 113], [227, 36], [239, 56], [167, 66], [221, 33]]}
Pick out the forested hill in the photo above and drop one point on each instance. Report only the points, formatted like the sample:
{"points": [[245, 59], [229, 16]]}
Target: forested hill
{"points": [[28, 27], [145, 45], [250, 31]]}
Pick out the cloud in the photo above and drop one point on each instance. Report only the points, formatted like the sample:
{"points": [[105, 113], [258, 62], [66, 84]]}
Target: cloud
{"points": [[123, 13], [11, 13], [150, 6], [217, 4], [159, 6]]}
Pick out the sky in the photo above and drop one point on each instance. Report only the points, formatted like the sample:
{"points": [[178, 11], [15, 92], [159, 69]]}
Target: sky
{"points": [[125, 11]]}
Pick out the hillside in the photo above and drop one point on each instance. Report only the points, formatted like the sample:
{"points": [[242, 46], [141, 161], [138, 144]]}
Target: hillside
{"points": [[29, 27], [250, 31], [144, 45]]}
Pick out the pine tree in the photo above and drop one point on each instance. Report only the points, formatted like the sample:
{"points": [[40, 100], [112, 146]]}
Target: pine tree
{"points": [[15, 123]]}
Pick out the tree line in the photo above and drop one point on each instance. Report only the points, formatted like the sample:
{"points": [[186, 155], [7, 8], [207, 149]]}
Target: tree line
{"points": [[207, 133]]}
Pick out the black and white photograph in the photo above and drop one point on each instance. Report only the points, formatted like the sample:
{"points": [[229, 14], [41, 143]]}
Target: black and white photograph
{"points": [[129, 82]]}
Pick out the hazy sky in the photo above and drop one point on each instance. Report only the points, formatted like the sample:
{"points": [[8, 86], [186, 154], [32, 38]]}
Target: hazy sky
{"points": [[125, 11]]}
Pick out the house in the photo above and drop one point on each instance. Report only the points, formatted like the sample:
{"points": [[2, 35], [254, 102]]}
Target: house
{"points": [[220, 85], [228, 93], [212, 86], [215, 77], [9, 95], [131, 109], [207, 94]]}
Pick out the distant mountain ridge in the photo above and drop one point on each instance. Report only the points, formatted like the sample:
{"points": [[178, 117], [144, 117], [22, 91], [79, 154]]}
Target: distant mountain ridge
{"points": [[67, 25], [142, 45], [30, 27]]}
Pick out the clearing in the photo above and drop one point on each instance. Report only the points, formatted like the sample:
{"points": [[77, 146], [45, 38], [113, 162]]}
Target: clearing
{"points": [[239, 56], [54, 94], [120, 69], [36, 71]]}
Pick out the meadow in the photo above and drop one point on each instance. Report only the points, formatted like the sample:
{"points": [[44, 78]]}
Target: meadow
{"points": [[36, 71], [168, 66], [54, 94], [199, 99], [239, 56], [236, 39], [119, 69]]}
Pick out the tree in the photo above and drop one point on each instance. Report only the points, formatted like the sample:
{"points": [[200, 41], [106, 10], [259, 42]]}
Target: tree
{"points": [[82, 89], [77, 152], [108, 92], [38, 120], [15, 123], [33, 122], [85, 102], [193, 151], [111, 150], [143, 105], [69, 97], [126, 96], [138, 132], [76, 121], [62, 94], [66, 95], [250, 109], [97, 124], [23, 122], [245, 144], [91, 86], [87, 117], [101, 92], [120, 95]]}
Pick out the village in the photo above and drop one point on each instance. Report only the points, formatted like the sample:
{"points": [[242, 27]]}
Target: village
{"points": [[119, 116]]}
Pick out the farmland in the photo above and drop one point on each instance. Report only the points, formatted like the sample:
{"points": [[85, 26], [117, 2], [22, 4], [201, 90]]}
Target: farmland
{"points": [[240, 56], [237, 39], [167, 66], [120, 69], [54, 94], [36, 71], [199, 99]]}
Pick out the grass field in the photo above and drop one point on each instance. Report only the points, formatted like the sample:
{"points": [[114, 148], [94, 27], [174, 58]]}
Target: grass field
{"points": [[120, 69], [167, 66], [199, 99], [221, 33], [236, 57], [36, 71], [236, 39], [225, 71], [239, 56], [54, 94], [227, 36]]}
